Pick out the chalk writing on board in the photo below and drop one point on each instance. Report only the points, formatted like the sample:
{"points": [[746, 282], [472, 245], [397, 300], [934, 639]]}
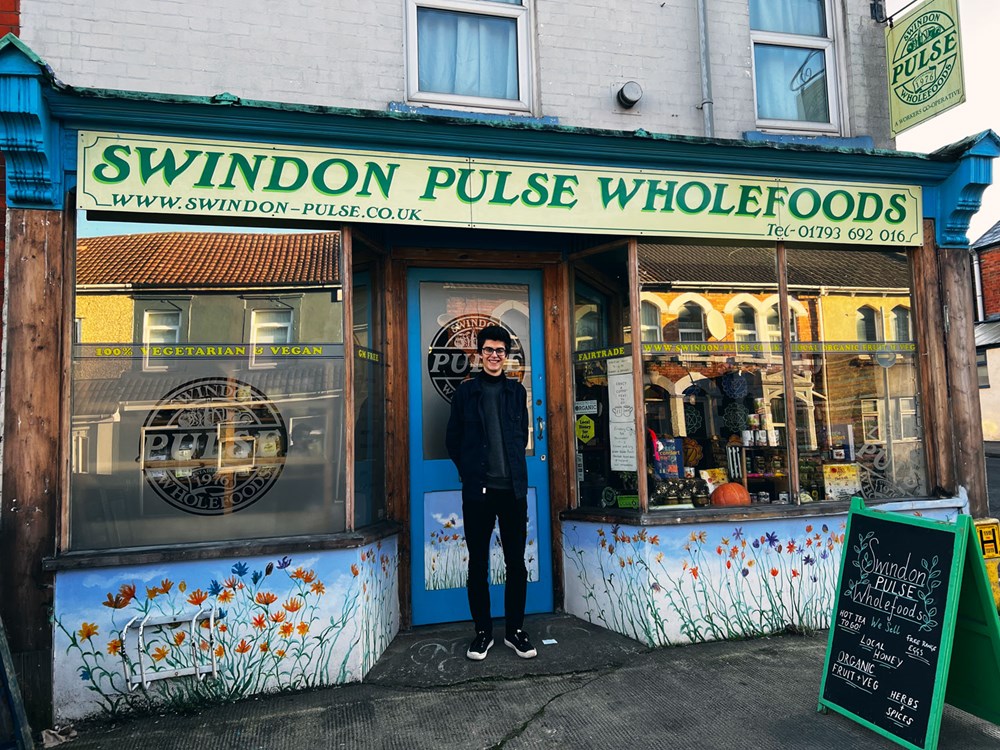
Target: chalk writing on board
{"points": [[894, 589]]}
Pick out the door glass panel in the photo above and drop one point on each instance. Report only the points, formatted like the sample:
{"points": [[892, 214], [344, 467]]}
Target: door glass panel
{"points": [[450, 316]]}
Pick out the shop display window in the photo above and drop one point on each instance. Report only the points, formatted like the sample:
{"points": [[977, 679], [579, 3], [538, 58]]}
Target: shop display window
{"points": [[727, 415], [208, 386], [369, 388]]}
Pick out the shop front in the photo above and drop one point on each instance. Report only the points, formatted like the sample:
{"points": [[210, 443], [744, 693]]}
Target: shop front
{"points": [[234, 329]]}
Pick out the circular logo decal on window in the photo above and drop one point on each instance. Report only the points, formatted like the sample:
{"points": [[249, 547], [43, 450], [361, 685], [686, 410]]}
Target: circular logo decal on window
{"points": [[452, 356], [213, 446], [924, 58]]}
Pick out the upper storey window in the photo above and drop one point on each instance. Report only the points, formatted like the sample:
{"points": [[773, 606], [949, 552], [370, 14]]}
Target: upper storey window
{"points": [[793, 64], [472, 54]]}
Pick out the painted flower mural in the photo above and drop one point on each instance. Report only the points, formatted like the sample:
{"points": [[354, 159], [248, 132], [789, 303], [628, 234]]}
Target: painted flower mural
{"points": [[672, 587], [277, 625]]}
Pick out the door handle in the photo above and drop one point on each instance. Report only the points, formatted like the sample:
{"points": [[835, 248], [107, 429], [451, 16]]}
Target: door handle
{"points": [[540, 433]]}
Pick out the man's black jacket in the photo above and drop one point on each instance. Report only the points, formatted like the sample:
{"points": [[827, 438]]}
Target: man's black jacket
{"points": [[466, 435]]}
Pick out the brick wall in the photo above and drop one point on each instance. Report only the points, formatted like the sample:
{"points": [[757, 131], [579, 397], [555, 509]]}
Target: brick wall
{"points": [[989, 266], [353, 55]]}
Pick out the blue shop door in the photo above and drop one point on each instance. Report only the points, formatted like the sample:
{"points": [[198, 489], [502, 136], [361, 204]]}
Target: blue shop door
{"points": [[446, 307]]}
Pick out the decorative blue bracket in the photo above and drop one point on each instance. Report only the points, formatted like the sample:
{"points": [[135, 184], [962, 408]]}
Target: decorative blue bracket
{"points": [[959, 196], [29, 138]]}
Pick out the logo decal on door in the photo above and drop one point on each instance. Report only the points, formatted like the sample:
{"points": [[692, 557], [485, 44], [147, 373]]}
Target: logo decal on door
{"points": [[452, 357]]}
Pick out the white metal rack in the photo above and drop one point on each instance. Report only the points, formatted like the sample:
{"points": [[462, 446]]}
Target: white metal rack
{"points": [[140, 624]]}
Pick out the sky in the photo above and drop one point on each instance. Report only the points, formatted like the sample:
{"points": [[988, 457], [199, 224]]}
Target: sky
{"points": [[980, 26]]}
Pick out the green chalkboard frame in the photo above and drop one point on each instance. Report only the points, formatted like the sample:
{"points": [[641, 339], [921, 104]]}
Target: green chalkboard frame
{"points": [[966, 589]]}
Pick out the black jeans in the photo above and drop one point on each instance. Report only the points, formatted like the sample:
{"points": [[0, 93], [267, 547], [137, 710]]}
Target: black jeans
{"points": [[479, 516]]}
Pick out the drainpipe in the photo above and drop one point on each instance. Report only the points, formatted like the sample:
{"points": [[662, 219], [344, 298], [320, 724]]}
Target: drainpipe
{"points": [[706, 71], [977, 277]]}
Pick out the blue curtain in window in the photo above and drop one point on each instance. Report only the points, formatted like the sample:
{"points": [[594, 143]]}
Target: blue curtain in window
{"points": [[791, 81], [806, 17], [467, 54]]}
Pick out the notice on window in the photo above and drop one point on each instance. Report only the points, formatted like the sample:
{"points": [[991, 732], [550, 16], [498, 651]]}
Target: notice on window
{"points": [[621, 414]]}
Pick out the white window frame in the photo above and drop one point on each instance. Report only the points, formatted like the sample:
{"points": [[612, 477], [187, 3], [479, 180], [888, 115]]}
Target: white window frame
{"points": [[525, 66], [648, 331], [898, 335], [872, 409], [982, 368], [147, 329], [685, 329], [828, 47], [906, 406], [255, 328]]}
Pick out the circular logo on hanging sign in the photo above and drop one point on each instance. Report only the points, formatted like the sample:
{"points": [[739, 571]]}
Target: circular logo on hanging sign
{"points": [[924, 57], [452, 356], [213, 446], [885, 359]]}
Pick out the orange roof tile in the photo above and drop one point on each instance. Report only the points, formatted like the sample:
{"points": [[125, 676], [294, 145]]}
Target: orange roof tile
{"points": [[198, 259]]}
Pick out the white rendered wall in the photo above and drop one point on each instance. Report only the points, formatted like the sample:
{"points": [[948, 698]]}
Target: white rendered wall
{"points": [[349, 54]]}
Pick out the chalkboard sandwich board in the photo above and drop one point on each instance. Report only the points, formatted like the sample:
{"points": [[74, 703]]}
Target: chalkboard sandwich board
{"points": [[907, 585]]}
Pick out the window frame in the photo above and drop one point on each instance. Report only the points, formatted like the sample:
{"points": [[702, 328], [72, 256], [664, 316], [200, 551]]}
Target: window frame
{"points": [[983, 368], [682, 329], [827, 45], [155, 307], [267, 307], [520, 13]]}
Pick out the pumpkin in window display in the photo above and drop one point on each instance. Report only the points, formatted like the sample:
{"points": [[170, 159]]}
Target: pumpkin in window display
{"points": [[730, 493]]}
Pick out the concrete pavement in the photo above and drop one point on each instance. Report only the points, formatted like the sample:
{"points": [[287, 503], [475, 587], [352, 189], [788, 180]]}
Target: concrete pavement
{"points": [[589, 689]]}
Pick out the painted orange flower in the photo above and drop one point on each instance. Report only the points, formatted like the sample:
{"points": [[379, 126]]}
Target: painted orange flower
{"points": [[791, 546], [115, 647], [119, 602], [621, 562], [231, 582], [659, 557], [729, 564], [219, 652], [243, 647], [774, 572], [165, 585], [151, 593], [809, 528], [702, 536], [87, 631], [302, 628], [309, 577], [293, 605], [279, 652], [299, 573], [160, 653], [655, 539], [264, 647], [278, 616], [225, 596], [354, 570], [260, 622], [197, 597], [179, 637], [286, 629], [750, 563], [203, 645], [795, 573], [694, 571], [718, 550], [223, 627], [318, 588], [265, 598], [182, 587], [127, 590]]}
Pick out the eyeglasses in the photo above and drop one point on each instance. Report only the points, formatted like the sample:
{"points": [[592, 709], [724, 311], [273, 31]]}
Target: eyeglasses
{"points": [[489, 350]]}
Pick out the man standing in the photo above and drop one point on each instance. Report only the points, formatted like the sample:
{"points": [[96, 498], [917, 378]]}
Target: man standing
{"points": [[487, 436]]}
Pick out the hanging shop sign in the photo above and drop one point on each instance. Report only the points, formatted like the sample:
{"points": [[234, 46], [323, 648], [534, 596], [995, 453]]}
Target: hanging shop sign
{"points": [[194, 177], [924, 52], [914, 625]]}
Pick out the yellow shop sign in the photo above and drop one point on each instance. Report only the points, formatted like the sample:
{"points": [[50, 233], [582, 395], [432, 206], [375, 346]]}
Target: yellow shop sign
{"points": [[195, 177], [924, 54]]}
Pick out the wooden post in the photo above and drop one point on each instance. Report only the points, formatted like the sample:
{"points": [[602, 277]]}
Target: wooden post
{"points": [[559, 397], [963, 385], [35, 450], [928, 325]]}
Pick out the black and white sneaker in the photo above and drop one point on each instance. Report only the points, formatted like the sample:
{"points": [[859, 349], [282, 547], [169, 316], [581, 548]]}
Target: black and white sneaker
{"points": [[480, 646], [521, 645]]}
